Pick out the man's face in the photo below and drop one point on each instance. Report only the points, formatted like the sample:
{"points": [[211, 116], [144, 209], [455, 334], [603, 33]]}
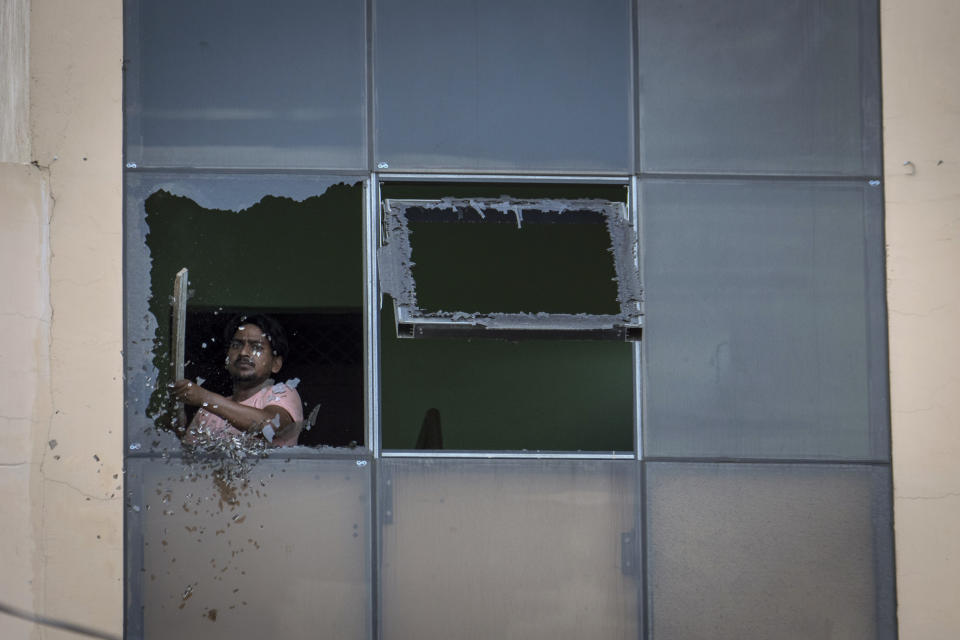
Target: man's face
{"points": [[250, 358]]}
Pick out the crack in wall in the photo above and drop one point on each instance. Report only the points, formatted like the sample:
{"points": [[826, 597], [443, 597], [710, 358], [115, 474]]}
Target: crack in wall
{"points": [[952, 494], [88, 496], [49, 203], [17, 314]]}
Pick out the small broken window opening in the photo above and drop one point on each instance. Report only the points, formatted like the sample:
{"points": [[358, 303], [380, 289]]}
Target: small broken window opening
{"points": [[511, 268]]}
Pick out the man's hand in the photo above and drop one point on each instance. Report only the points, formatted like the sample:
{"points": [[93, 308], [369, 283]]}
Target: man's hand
{"points": [[240, 416], [191, 393]]}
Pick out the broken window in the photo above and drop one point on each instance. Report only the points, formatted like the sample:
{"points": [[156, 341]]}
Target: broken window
{"points": [[226, 546], [516, 268], [251, 245], [552, 272]]}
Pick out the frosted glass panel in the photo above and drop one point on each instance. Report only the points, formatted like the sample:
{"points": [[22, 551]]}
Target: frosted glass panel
{"points": [[282, 555], [745, 552], [761, 320], [239, 83], [508, 549], [495, 84], [759, 86]]}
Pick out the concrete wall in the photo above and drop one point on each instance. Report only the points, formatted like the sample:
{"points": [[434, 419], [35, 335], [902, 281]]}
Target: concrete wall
{"points": [[60, 319], [922, 129]]}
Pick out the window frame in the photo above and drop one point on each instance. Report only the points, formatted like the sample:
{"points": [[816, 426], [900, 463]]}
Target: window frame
{"points": [[373, 298], [397, 279]]}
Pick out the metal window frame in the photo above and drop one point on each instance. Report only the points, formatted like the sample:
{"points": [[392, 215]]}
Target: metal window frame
{"points": [[373, 297], [396, 276]]}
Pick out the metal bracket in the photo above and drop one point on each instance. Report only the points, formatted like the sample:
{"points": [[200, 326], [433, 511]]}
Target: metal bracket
{"points": [[386, 497], [628, 553]]}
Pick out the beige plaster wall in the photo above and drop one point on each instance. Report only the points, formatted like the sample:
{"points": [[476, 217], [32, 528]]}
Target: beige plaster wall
{"points": [[922, 129], [76, 119], [24, 380], [61, 311]]}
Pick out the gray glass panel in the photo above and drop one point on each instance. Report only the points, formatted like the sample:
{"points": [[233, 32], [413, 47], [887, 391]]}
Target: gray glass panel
{"points": [[241, 83], [508, 549], [287, 245], [480, 84], [280, 553], [746, 552], [760, 341], [759, 86]]}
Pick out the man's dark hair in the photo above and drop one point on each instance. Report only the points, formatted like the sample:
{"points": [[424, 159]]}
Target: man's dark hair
{"points": [[270, 327]]}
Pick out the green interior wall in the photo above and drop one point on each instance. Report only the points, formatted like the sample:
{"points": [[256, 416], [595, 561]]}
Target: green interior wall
{"points": [[549, 395], [553, 267]]}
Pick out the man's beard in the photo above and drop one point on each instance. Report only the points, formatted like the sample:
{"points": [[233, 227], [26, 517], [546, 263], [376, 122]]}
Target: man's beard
{"points": [[247, 374]]}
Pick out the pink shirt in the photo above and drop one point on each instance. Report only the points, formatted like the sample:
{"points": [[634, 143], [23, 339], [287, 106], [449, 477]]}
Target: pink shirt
{"points": [[278, 395]]}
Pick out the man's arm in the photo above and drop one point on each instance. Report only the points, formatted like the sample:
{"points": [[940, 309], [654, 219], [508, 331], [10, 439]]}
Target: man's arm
{"points": [[240, 416]]}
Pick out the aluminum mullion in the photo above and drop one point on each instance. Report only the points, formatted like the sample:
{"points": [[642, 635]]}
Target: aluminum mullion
{"points": [[202, 171], [878, 358], [497, 177], [871, 103], [371, 317], [759, 177], [371, 386], [636, 111], [637, 347], [513, 455], [718, 460], [369, 130]]}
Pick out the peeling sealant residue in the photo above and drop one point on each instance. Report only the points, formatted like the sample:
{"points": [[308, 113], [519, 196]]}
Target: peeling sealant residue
{"points": [[396, 263]]}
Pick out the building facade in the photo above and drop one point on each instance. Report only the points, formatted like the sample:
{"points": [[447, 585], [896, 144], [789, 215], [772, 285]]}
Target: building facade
{"points": [[716, 508]]}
